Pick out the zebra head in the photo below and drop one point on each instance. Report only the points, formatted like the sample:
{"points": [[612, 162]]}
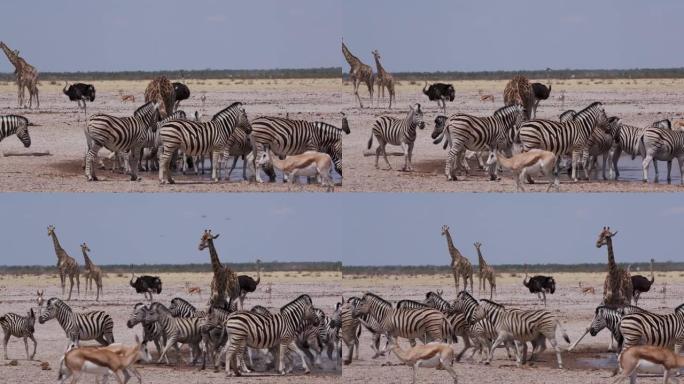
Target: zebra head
{"points": [[604, 236], [613, 127], [416, 116], [345, 124], [360, 307], [22, 131], [50, 310], [440, 124], [599, 322], [137, 316], [207, 239]]}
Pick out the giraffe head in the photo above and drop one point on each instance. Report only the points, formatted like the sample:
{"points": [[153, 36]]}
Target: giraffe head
{"points": [[376, 54], [445, 230], [206, 239], [84, 247], [51, 230], [604, 236], [477, 245]]}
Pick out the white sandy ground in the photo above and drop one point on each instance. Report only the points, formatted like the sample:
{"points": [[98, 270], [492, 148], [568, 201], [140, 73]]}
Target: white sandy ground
{"points": [[17, 295], [588, 363], [637, 102], [60, 131]]}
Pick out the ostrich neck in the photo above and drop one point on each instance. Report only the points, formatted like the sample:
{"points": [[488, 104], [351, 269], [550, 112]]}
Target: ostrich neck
{"points": [[215, 262]]}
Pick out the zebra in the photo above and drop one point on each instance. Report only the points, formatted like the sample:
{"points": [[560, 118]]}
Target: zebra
{"points": [[97, 325], [15, 124], [654, 329], [523, 326], [627, 138], [292, 137], [254, 330], [19, 326], [350, 328], [200, 138], [610, 317], [563, 137], [424, 323], [662, 144], [600, 142], [176, 330], [473, 133], [402, 132], [182, 308], [152, 331], [120, 134], [150, 150]]}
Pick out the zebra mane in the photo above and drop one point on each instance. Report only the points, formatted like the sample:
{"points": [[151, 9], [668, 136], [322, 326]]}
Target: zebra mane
{"points": [[587, 109], [324, 124], [600, 307], [182, 300], [492, 303], [305, 297], [680, 308], [467, 296], [570, 112], [224, 111], [353, 298], [413, 302], [142, 108], [156, 304], [376, 297], [507, 109]]}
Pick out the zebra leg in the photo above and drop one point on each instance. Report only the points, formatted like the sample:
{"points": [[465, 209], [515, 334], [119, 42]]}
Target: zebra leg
{"points": [[615, 157], [644, 166], [90, 156], [406, 157], [244, 168], [449, 169], [655, 166], [669, 169], [383, 145], [680, 161], [35, 345], [215, 165], [133, 163], [4, 343]]}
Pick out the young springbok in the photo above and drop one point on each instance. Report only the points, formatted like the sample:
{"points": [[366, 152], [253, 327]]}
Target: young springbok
{"points": [[634, 356], [309, 163], [192, 290], [432, 355], [531, 162], [113, 359]]}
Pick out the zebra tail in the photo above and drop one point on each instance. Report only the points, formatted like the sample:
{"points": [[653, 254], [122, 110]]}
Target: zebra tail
{"points": [[370, 141], [563, 332]]}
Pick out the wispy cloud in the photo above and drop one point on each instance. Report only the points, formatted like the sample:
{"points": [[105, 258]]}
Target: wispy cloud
{"points": [[673, 211]]}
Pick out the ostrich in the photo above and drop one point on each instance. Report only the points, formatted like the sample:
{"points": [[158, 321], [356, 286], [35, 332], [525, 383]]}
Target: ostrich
{"points": [[80, 92], [641, 284], [248, 284], [540, 285]]}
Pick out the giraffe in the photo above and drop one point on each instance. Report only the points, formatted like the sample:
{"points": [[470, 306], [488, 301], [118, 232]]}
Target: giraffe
{"points": [[161, 91], [385, 79], [66, 264], [225, 281], [27, 76], [519, 91], [617, 287], [93, 272], [460, 266], [486, 272], [359, 73]]}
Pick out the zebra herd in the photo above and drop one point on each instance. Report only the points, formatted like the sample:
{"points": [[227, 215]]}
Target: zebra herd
{"points": [[297, 328], [583, 135]]}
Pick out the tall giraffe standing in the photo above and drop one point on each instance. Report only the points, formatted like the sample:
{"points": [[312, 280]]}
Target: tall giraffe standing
{"points": [[225, 281], [66, 264], [27, 76], [460, 266], [359, 73], [93, 272], [486, 273], [385, 79], [617, 287]]}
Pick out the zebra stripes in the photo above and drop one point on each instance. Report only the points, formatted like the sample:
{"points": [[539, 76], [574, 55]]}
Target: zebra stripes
{"points": [[181, 308], [473, 133], [600, 142], [153, 141], [293, 137], [563, 137], [253, 330], [523, 326], [19, 326], [654, 329], [200, 138], [96, 325], [663, 144], [350, 328], [423, 323], [176, 330], [390, 130], [607, 317], [152, 331], [120, 134], [15, 125]]}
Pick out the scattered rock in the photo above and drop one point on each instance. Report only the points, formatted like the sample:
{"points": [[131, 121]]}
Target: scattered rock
{"points": [[13, 363], [45, 366]]}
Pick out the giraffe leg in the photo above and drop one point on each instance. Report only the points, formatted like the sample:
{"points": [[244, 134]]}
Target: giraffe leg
{"points": [[71, 286], [78, 284]]}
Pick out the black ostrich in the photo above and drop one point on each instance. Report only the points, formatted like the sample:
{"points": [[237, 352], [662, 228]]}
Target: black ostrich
{"points": [[541, 92], [540, 285], [80, 92], [182, 93], [641, 284], [440, 92], [248, 284], [146, 284]]}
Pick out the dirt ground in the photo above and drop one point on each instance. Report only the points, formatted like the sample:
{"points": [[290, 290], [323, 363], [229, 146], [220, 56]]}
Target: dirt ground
{"points": [[588, 363], [17, 294], [636, 102], [60, 131]]}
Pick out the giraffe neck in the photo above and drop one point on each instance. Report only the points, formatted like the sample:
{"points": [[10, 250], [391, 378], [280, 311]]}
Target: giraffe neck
{"points": [[612, 267], [452, 250], [481, 261], [351, 59], [58, 248], [88, 263], [381, 70], [13, 58], [215, 262]]}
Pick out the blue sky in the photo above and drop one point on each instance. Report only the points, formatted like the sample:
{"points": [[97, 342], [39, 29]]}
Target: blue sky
{"points": [[462, 35], [166, 228], [81, 35], [355, 228]]}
